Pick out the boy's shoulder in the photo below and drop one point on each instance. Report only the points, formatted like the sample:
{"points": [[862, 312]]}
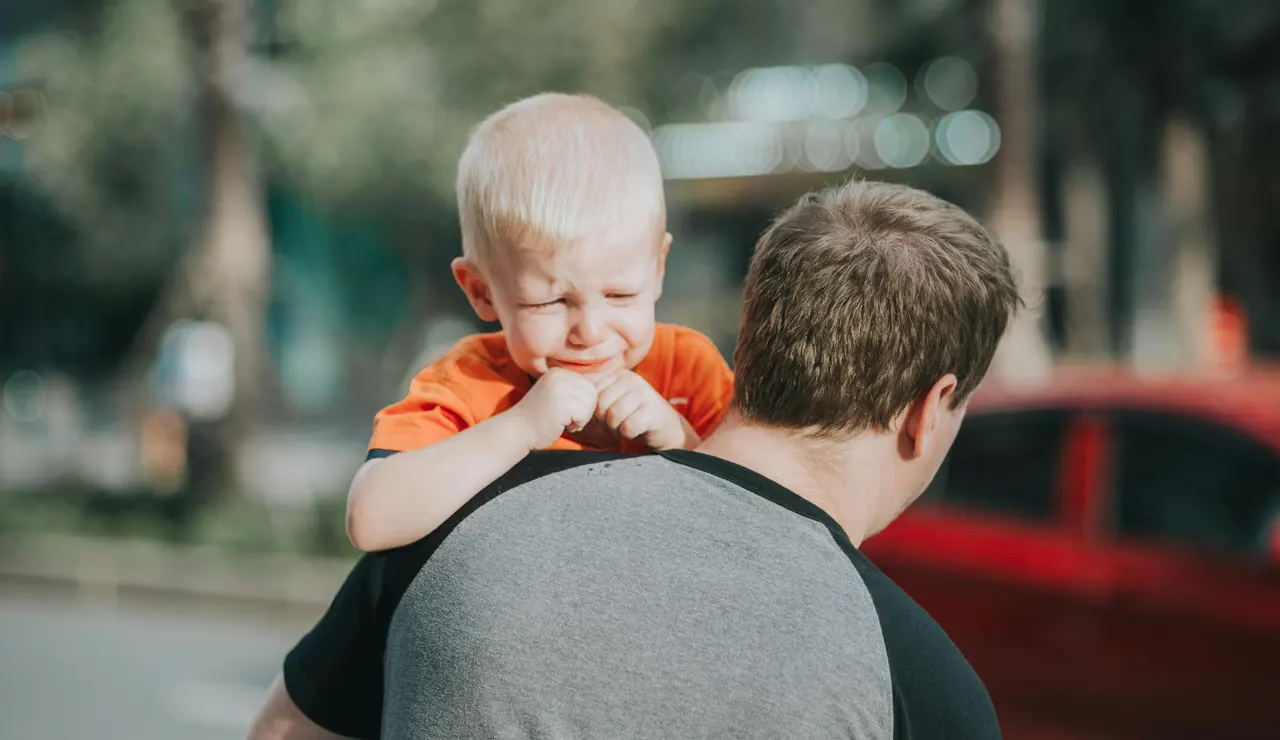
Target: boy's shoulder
{"points": [[486, 351], [681, 345], [676, 338], [685, 364], [489, 347]]}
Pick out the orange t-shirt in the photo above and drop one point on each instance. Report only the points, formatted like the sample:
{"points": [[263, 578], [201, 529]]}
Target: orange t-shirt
{"points": [[476, 380]]}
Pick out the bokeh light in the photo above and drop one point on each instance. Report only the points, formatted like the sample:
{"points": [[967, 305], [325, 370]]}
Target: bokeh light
{"points": [[949, 83], [772, 94], [841, 91], [887, 88], [862, 144], [824, 146], [967, 137], [902, 140], [24, 395], [728, 149]]}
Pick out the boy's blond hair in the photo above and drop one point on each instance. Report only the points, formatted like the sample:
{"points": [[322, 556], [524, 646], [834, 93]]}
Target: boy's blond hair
{"points": [[551, 168]]}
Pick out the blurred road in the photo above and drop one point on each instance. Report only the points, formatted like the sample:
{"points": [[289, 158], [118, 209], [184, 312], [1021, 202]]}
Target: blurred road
{"points": [[72, 666]]}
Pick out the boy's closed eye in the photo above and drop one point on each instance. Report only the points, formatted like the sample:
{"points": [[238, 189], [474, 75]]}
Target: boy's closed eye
{"points": [[544, 305], [615, 296]]}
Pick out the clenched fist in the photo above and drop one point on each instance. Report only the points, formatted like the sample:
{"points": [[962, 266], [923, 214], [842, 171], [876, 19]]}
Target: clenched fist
{"points": [[632, 409], [560, 401]]}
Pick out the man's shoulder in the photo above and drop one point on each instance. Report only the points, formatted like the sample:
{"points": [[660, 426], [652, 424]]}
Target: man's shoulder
{"points": [[936, 690], [557, 475], [536, 465], [399, 566], [542, 463]]}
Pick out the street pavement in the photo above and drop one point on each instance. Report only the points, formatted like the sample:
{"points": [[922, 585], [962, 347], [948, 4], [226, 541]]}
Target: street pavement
{"points": [[80, 665]]}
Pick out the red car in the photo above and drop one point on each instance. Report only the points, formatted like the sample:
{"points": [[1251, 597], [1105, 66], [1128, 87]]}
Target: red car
{"points": [[1105, 549]]}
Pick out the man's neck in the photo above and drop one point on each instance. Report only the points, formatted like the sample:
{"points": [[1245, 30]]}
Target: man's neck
{"points": [[838, 482]]}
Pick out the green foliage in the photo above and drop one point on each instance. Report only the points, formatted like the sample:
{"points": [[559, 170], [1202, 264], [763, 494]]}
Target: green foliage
{"points": [[362, 101], [114, 143]]}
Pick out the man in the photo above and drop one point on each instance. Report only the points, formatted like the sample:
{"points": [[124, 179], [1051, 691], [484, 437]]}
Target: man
{"points": [[717, 592]]}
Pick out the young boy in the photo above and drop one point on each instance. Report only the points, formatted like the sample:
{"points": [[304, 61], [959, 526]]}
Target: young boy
{"points": [[564, 244]]}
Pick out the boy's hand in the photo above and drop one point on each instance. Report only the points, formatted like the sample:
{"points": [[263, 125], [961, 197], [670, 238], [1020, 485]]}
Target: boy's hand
{"points": [[559, 401], [632, 409]]}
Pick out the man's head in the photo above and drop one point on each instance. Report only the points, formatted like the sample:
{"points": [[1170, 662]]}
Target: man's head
{"points": [[563, 232], [872, 310]]}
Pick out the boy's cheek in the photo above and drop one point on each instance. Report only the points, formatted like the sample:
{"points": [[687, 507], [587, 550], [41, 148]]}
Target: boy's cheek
{"points": [[639, 329], [536, 337]]}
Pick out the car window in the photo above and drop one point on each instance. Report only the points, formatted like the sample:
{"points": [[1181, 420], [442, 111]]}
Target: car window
{"points": [[1004, 463], [1187, 481]]}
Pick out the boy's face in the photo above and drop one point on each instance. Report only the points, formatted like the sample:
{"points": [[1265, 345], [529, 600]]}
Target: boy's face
{"points": [[586, 306]]}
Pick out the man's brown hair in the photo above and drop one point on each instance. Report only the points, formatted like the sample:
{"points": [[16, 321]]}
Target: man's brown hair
{"points": [[858, 299]]}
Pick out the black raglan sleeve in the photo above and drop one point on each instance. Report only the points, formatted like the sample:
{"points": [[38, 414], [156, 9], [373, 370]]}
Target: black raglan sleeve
{"points": [[334, 673], [936, 693]]}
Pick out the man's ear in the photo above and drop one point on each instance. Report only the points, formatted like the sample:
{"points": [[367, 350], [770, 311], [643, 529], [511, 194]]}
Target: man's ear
{"points": [[476, 287], [662, 263], [922, 417]]}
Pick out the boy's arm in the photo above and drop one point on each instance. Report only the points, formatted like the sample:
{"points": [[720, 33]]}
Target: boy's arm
{"points": [[400, 499], [403, 498]]}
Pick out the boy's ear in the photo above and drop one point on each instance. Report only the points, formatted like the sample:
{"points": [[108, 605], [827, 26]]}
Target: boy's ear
{"points": [[662, 263], [474, 285]]}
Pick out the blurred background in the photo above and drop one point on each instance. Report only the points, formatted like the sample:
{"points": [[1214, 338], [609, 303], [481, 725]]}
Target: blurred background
{"points": [[225, 230]]}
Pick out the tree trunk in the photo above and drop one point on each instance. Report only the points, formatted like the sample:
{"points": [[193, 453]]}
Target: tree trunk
{"points": [[1015, 218], [225, 276], [231, 279], [1193, 284], [1085, 260]]}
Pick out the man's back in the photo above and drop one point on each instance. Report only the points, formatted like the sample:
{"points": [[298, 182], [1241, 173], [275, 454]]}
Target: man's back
{"points": [[653, 597]]}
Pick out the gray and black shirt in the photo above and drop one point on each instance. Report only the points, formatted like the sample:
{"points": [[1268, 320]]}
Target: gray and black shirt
{"points": [[592, 595]]}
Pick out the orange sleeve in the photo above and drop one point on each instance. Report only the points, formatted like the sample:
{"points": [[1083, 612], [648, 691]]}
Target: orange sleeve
{"points": [[700, 374], [431, 411]]}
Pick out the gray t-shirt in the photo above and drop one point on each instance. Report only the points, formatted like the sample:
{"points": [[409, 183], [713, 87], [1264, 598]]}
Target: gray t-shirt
{"points": [[591, 595]]}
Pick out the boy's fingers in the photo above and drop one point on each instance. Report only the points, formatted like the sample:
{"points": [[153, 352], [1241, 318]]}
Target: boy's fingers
{"points": [[609, 395], [580, 403], [589, 401], [622, 409], [583, 407], [604, 381], [604, 403], [624, 426], [636, 425]]}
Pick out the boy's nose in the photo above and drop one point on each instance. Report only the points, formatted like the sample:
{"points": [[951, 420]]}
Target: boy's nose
{"points": [[588, 330]]}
